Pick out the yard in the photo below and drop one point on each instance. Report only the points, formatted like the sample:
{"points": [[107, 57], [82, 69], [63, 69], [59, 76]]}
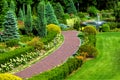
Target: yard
{"points": [[106, 65]]}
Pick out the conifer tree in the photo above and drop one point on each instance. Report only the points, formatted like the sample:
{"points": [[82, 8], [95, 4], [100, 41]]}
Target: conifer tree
{"points": [[2, 11], [59, 12], [21, 15], [10, 27], [71, 9], [12, 5], [28, 20], [41, 28], [50, 15]]}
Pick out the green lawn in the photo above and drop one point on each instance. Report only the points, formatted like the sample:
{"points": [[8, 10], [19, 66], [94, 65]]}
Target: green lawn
{"points": [[107, 64]]}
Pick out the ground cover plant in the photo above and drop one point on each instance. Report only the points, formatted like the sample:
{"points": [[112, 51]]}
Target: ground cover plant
{"points": [[106, 64]]}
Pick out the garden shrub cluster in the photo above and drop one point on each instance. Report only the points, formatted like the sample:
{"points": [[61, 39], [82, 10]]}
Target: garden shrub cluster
{"points": [[88, 47], [7, 76], [60, 72], [4, 57], [12, 42]]}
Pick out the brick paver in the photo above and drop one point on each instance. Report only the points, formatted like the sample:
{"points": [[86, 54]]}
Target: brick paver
{"points": [[68, 48]]}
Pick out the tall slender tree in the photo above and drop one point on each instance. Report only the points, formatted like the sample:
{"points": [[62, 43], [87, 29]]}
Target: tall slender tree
{"points": [[2, 11], [41, 28], [20, 15], [28, 20], [50, 15]]}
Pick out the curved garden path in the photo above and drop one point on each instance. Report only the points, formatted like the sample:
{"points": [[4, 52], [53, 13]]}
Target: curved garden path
{"points": [[68, 48]]}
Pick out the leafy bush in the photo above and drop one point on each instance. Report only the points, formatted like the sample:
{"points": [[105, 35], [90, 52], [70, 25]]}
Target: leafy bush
{"points": [[7, 76], [36, 43], [92, 11], [112, 25], [25, 38], [15, 53], [90, 30], [105, 28], [63, 26], [89, 49], [115, 30], [53, 28], [12, 42], [60, 72], [92, 40]]}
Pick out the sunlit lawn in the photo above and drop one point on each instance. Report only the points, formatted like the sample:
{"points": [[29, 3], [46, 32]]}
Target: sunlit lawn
{"points": [[107, 65]]}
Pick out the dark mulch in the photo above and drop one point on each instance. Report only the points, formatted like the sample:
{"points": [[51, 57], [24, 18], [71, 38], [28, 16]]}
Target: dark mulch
{"points": [[68, 48]]}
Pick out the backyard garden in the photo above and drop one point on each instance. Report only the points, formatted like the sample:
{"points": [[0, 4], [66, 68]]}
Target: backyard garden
{"points": [[59, 39]]}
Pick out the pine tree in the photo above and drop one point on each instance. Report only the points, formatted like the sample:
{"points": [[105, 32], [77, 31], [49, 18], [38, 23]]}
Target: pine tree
{"points": [[59, 12], [28, 20], [71, 9], [41, 28], [50, 15], [12, 6], [10, 27]]}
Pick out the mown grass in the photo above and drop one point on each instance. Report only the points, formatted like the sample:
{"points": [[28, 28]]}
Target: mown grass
{"points": [[107, 64]]}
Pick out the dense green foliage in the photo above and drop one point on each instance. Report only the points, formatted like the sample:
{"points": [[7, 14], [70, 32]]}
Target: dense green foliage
{"points": [[10, 27], [61, 71], [117, 11], [71, 9], [41, 27], [2, 11], [5, 57], [105, 28], [106, 64], [50, 15]]}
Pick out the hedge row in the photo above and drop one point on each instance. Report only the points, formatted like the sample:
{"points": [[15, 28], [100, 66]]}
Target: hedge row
{"points": [[60, 72], [4, 57]]}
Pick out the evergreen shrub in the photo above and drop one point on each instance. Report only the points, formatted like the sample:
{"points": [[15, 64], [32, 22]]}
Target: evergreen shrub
{"points": [[90, 30], [53, 28]]}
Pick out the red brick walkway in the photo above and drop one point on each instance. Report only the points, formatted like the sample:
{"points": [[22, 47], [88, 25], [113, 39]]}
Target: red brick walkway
{"points": [[69, 47]]}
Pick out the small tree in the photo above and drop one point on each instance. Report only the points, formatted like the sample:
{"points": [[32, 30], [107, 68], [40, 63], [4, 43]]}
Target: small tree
{"points": [[41, 28], [10, 27], [71, 9], [50, 15], [28, 20]]}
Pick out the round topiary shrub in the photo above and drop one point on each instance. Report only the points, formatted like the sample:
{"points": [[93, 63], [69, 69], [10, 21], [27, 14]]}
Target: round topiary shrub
{"points": [[90, 30], [53, 28], [89, 49], [105, 28], [7, 76]]}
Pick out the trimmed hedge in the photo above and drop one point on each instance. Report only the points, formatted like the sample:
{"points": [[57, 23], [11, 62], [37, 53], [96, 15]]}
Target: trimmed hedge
{"points": [[60, 72], [4, 57]]}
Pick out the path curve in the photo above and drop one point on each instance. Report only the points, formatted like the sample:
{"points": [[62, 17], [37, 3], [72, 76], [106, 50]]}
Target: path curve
{"points": [[68, 48]]}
